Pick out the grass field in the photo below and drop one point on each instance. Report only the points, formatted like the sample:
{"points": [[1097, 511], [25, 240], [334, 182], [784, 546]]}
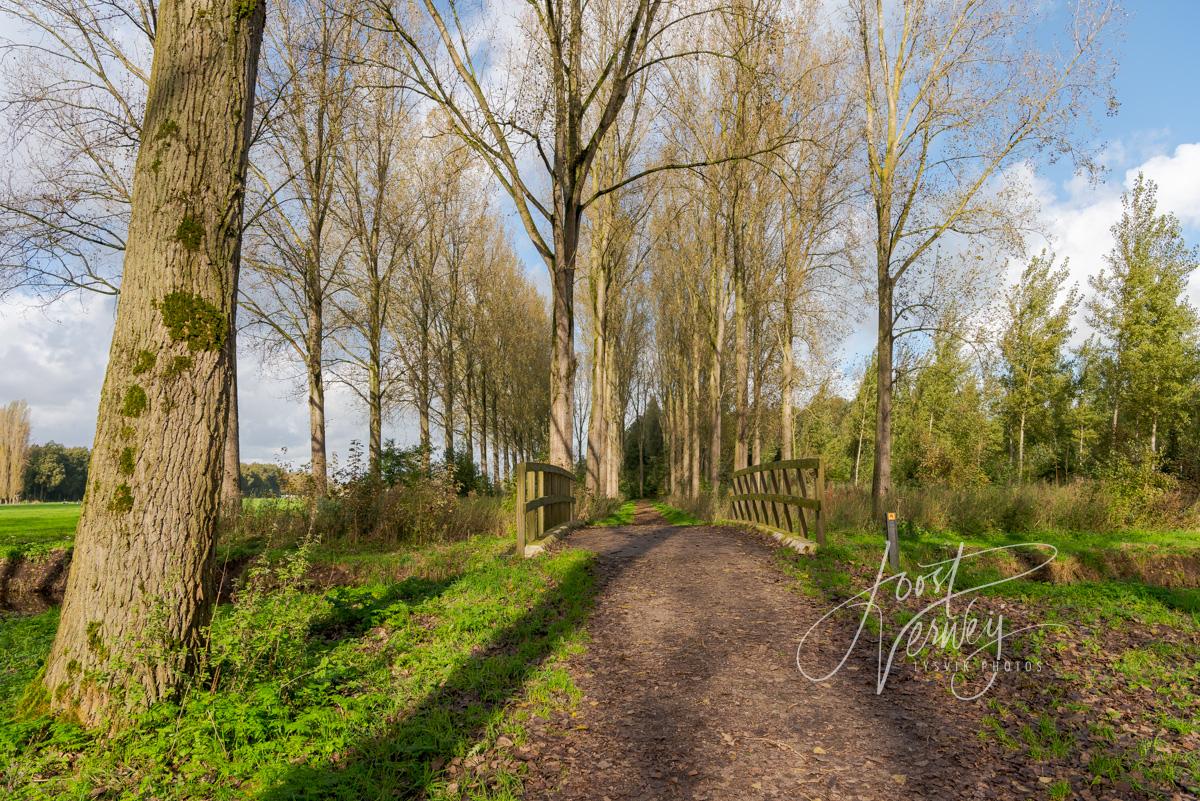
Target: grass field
{"points": [[32, 528], [417, 680], [29, 528]]}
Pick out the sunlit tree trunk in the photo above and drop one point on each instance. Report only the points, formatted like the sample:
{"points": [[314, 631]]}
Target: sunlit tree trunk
{"points": [[694, 421], [718, 301], [881, 481], [316, 397], [787, 388], [139, 593], [231, 476]]}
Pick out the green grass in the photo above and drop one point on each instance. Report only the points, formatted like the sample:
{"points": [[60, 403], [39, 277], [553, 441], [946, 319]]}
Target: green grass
{"points": [[373, 690], [623, 516], [24, 641], [1164, 673], [33, 528], [676, 517]]}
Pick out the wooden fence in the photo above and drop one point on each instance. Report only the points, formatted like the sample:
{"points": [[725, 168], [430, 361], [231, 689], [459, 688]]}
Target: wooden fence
{"points": [[545, 502], [777, 495]]}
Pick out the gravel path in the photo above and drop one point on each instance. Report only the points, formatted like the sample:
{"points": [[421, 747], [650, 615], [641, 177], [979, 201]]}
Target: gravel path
{"points": [[691, 691]]}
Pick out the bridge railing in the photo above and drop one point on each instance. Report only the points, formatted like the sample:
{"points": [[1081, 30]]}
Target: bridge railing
{"points": [[787, 496], [545, 502]]}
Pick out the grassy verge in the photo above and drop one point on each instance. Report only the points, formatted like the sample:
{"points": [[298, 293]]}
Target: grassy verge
{"points": [[676, 517], [623, 516], [419, 687], [29, 529], [1116, 702]]}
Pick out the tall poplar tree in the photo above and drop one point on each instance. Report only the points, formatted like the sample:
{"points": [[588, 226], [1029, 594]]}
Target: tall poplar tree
{"points": [[1147, 326], [139, 593], [1036, 330], [952, 92]]}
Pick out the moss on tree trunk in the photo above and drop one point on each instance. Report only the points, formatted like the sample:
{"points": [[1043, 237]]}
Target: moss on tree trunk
{"points": [[139, 592]]}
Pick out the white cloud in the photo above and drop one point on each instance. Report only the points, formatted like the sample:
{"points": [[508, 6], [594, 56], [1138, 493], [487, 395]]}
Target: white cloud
{"points": [[1178, 179], [55, 358], [1079, 223]]}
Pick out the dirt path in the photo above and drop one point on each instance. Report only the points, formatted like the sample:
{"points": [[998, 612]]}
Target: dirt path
{"points": [[691, 691]]}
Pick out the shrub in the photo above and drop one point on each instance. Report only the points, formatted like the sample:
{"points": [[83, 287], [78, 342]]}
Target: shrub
{"points": [[268, 624], [1130, 497], [596, 507], [365, 510], [702, 507]]}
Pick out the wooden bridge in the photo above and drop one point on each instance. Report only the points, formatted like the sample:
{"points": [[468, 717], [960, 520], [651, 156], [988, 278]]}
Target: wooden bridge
{"points": [[785, 498]]}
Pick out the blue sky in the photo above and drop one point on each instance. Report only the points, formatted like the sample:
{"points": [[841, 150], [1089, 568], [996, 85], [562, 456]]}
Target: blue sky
{"points": [[1160, 63], [55, 358]]}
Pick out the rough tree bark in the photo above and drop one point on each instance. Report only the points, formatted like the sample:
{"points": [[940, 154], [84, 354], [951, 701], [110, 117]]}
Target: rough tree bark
{"points": [[231, 478], [139, 593], [881, 480], [316, 396]]}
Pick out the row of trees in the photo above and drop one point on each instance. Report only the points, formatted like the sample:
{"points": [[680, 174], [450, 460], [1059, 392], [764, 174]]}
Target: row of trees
{"points": [[888, 166], [373, 258], [54, 472], [377, 260], [144, 115], [706, 166], [1016, 393]]}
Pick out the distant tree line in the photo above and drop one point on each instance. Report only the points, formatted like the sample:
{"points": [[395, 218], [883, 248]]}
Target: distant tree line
{"points": [[54, 472]]}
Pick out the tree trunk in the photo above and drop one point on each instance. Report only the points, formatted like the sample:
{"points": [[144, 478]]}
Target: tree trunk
{"points": [[694, 422], [316, 401], [424, 401], [614, 429], [509, 462], [139, 592], [468, 413], [670, 441], [496, 447], [687, 470], [231, 479], [714, 377], [1116, 409], [483, 426], [881, 482], [787, 424], [862, 424], [756, 425], [1021, 450], [642, 455], [741, 367], [562, 366], [447, 416], [597, 434], [375, 406]]}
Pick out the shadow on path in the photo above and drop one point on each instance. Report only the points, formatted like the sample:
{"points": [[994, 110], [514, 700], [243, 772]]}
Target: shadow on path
{"points": [[409, 755], [691, 689]]}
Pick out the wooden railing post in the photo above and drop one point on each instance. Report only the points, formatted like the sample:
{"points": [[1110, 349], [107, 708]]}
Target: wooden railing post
{"points": [[520, 510], [541, 512], [821, 499]]}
